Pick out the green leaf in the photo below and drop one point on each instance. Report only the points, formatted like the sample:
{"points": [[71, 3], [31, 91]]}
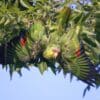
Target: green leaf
{"points": [[42, 67]]}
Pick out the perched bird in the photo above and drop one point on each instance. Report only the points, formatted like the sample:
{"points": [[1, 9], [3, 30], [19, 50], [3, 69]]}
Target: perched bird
{"points": [[26, 49], [75, 59]]}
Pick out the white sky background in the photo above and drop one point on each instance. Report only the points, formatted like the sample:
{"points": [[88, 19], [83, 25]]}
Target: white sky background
{"points": [[33, 86]]}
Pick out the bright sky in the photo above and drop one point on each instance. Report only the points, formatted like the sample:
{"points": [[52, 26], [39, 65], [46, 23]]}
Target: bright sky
{"points": [[34, 86]]}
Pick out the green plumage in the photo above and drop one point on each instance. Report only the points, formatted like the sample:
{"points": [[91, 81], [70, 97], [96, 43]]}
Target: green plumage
{"points": [[37, 30], [52, 33]]}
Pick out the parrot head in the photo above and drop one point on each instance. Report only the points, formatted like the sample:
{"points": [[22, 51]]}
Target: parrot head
{"points": [[51, 52]]}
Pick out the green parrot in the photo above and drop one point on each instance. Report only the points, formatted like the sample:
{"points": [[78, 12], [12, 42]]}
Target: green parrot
{"points": [[76, 60], [26, 49]]}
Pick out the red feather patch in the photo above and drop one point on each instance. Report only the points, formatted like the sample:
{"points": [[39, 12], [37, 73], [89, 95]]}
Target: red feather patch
{"points": [[23, 41], [78, 53]]}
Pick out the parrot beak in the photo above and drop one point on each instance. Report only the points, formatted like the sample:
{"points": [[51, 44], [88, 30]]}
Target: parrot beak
{"points": [[56, 52]]}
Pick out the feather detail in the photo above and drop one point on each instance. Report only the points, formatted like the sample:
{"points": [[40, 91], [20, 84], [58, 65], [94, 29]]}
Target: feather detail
{"points": [[79, 52]]}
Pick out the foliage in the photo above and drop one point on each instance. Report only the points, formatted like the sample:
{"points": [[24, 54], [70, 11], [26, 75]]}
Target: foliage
{"points": [[45, 32]]}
